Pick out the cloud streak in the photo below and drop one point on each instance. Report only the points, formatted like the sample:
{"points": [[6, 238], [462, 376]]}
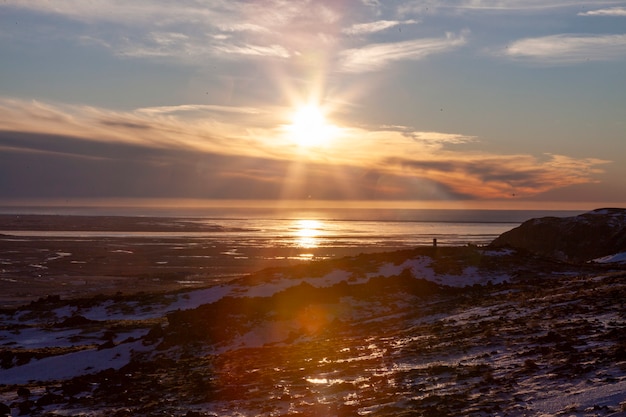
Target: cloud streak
{"points": [[511, 5], [377, 26], [190, 33], [503, 176], [613, 11], [190, 30], [568, 49], [375, 57]]}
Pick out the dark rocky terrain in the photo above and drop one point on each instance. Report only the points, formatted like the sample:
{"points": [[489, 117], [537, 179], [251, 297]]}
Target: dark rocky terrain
{"points": [[465, 331], [581, 238]]}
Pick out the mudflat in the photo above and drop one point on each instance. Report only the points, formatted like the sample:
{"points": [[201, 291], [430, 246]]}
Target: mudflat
{"points": [[80, 256]]}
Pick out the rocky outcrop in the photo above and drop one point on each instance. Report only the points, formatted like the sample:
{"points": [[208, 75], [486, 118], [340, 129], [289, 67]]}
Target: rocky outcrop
{"points": [[580, 238]]}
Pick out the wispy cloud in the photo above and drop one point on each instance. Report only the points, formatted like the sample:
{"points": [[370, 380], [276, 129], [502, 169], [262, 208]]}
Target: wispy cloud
{"points": [[429, 138], [185, 108], [503, 176], [190, 31], [374, 57], [371, 3], [494, 6], [277, 51], [158, 130], [517, 4], [568, 49], [613, 11], [139, 12], [156, 44], [376, 26]]}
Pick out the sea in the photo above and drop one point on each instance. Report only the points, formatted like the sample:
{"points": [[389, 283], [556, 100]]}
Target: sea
{"points": [[232, 242], [367, 228]]}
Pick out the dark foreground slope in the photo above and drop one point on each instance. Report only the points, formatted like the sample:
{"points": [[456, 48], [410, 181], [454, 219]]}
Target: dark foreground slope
{"points": [[446, 332]]}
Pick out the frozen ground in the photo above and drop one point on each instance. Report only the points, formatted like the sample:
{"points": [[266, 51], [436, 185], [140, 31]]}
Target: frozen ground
{"points": [[431, 332]]}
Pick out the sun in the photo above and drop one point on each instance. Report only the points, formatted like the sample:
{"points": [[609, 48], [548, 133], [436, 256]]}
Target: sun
{"points": [[309, 127]]}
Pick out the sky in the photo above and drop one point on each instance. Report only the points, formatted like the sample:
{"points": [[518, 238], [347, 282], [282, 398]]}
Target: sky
{"points": [[465, 103]]}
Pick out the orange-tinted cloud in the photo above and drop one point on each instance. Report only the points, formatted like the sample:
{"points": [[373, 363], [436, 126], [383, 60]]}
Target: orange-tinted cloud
{"points": [[217, 152]]}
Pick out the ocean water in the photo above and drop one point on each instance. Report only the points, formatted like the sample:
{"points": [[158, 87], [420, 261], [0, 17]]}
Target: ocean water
{"points": [[313, 228], [239, 241]]}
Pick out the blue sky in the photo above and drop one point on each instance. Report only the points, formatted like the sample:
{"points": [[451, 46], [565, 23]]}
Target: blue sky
{"points": [[438, 103]]}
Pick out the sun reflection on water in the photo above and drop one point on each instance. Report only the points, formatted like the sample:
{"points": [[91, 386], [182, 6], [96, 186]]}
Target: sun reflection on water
{"points": [[307, 233]]}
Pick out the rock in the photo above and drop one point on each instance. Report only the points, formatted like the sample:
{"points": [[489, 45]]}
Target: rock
{"points": [[6, 359], [591, 235], [5, 410], [48, 399], [107, 345], [75, 386], [23, 392], [25, 408], [74, 321], [156, 332]]}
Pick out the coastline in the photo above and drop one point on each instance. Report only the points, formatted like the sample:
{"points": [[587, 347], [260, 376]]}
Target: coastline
{"points": [[120, 325], [78, 255]]}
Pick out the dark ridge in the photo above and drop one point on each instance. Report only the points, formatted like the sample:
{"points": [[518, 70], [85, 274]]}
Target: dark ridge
{"points": [[582, 238]]}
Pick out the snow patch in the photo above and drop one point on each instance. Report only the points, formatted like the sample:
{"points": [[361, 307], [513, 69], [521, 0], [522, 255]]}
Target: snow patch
{"points": [[421, 267], [612, 259], [72, 365], [585, 397]]}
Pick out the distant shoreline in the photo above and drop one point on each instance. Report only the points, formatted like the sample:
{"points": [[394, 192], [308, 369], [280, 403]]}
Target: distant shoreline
{"points": [[347, 213]]}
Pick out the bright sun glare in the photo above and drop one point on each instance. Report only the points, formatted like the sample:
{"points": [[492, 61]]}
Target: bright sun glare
{"points": [[309, 128], [307, 232]]}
